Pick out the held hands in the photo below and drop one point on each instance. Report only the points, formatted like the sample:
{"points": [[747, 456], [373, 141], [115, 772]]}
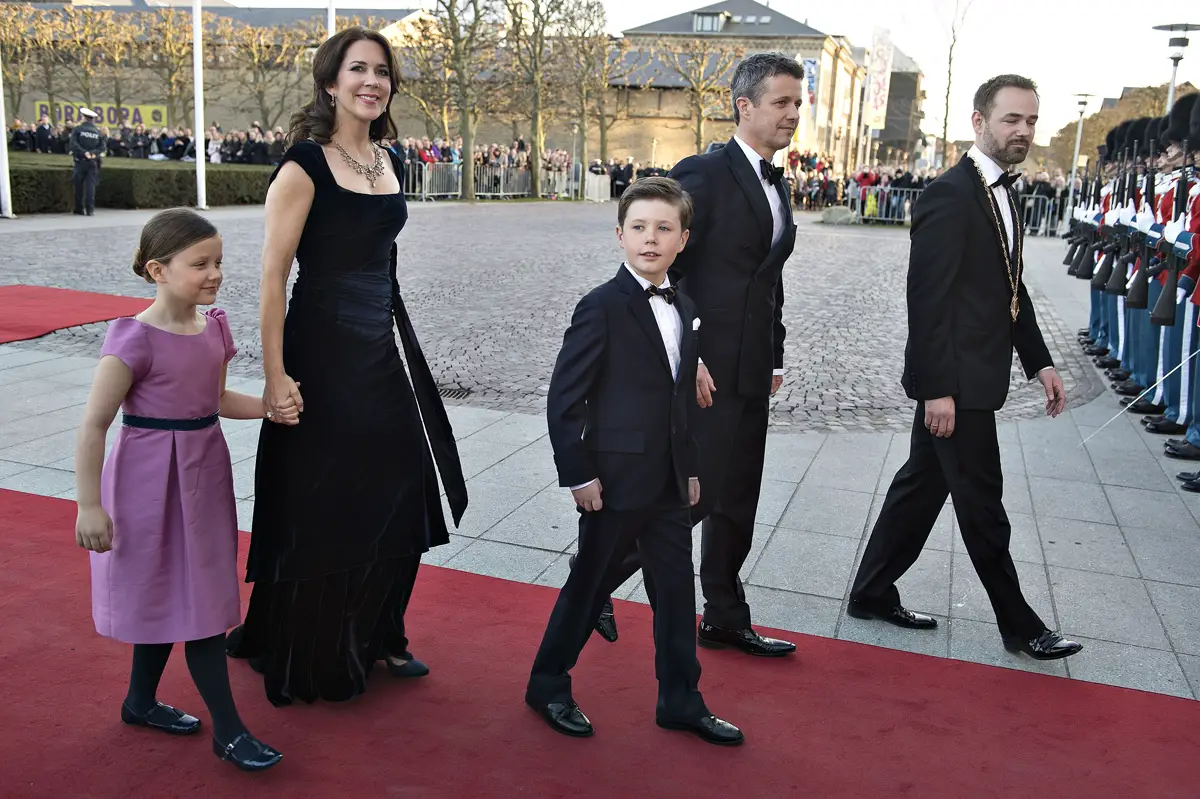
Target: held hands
{"points": [[588, 497], [94, 529], [704, 387], [939, 417], [282, 402], [1056, 395], [693, 491]]}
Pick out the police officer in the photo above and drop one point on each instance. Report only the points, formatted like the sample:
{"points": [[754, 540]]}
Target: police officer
{"points": [[87, 148]]}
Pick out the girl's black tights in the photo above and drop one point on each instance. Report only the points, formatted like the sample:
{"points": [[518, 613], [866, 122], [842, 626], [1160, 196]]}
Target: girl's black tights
{"points": [[210, 672]]}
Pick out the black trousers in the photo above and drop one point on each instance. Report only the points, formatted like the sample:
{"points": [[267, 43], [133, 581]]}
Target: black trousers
{"points": [[966, 467], [662, 535], [732, 435], [86, 175]]}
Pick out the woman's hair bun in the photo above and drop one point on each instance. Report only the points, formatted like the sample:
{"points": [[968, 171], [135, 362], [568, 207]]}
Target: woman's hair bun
{"points": [[139, 266]]}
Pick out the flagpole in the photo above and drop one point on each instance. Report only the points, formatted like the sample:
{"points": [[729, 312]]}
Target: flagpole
{"points": [[198, 83], [6, 206]]}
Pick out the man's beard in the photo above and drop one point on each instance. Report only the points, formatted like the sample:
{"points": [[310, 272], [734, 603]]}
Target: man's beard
{"points": [[1009, 155]]}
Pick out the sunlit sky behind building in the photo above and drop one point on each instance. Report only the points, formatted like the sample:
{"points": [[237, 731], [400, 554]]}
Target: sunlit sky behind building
{"points": [[1067, 46]]}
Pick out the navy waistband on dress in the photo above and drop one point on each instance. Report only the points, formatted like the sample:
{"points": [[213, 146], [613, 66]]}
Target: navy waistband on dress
{"points": [[151, 423]]}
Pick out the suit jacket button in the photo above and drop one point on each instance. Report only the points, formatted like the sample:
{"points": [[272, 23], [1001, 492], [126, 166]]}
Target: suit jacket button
{"points": [[672, 429]]}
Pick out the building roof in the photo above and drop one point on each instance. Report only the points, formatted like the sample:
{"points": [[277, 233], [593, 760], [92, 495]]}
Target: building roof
{"points": [[743, 18], [902, 63], [256, 17]]}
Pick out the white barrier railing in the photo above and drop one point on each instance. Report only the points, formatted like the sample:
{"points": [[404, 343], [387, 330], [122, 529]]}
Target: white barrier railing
{"points": [[434, 181], [597, 188]]}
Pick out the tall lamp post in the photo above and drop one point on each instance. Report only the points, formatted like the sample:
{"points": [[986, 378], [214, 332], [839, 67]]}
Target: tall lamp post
{"points": [[1083, 101], [1177, 44]]}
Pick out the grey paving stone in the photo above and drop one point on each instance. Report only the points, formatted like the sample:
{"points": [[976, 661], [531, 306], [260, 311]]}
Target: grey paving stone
{"points": [[806, 562], [477, 456], [1103, 606], [785, 461], [245, 515], [531, 466], [1134, 506], [46, 482], [10, 468], [438, 556], [1066, 499], [45, 424], [516, 428], [467, 421], [1087, 546], [1177, 607], [828, 510], [1130, 667], [968, 600], [878, 633], [44, 451], [46, 369], [1191, 668], [848, 463], [1016, 494], [243, 479], [773, 499], [1163, 554], [549, 520], [801, 613], [980, 642], [495, 559], [37, 396], [487, 504]]}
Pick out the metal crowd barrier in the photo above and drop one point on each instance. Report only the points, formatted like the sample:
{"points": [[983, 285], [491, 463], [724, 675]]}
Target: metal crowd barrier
{"points": [[555, 184], [1041, 215], [884, 205]]}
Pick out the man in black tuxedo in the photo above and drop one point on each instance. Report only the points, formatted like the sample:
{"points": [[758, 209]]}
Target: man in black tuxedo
{"points": [[742, 235], [967, 311], [619, 407]]}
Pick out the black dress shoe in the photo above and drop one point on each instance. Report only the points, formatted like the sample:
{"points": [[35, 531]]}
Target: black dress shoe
{"points": [[1188, 477], [1154, 419], [746, 639], [1108, 362], [411, 668], [710, 728], [899, 616], [161, 717], [606, 624], [1118, 375], [247, 753], [1191, 485], [1047, 646], [1143, 406], [1128, 388], [1084, 331], [1165, 428], [564, 717], [1094, 350], [1186, 452]]}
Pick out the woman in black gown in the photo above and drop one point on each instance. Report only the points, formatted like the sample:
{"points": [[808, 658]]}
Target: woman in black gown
{"points": [[346, 494]]}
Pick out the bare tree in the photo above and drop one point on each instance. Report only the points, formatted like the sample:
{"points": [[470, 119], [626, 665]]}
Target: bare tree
{"points": [[704, 66], [531, 24], [955, 26], [115, 50], [426, 77], [45, 37], [468, 31], [270, 66], [584, 53], [167, 53], [17, 22], [620, 69], [82, 30]]}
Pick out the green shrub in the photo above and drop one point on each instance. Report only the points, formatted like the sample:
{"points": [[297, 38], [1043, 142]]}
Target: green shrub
{"points": [[42, 184]]}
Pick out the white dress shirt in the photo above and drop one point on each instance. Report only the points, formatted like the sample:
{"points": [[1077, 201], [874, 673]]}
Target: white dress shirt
{"points": [[778, 214], [773, 197], [991, 173], [670, 327]]}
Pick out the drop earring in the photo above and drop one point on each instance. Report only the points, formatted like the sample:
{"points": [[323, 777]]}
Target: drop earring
{"points": [[332, 101]]}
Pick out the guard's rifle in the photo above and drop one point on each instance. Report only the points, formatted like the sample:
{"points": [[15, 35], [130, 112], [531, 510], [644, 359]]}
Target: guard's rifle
{"points": [[1090, 220], [1076, 236], [1126, 232], [1109, 233], [1138, 296], [1173, 248]]}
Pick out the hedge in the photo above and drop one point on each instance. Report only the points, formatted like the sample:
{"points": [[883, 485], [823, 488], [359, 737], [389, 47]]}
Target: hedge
{"points": [[42, 183]]}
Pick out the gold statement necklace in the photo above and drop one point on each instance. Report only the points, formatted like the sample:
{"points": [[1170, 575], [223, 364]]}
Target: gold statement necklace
{"points": [[1014, 277]]}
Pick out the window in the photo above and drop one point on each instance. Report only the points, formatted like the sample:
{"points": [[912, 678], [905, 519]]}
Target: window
{"points": [[763, 20], [708, 23], [750, 20], [737, 18]]}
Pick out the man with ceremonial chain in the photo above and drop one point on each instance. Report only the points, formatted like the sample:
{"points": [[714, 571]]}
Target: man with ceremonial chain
{"points": [[967, 311]]}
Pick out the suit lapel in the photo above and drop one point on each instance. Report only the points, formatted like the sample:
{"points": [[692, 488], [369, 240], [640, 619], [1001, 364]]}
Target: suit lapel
{"points": [[751, 184], [687, 338], [639, 306], [987, 202]]}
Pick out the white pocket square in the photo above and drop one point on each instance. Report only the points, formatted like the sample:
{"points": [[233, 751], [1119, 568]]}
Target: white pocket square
{"points": [[696, 324]]}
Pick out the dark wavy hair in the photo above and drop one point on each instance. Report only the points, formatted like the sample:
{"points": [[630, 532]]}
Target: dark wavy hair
{"points": [[316, 119]]}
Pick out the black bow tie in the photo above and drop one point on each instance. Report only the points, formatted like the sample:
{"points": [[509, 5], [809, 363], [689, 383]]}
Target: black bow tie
{"points": [[771, 174], [667, 293], [1006, 180]]}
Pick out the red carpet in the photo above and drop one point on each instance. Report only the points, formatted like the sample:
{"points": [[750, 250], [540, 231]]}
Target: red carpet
{"points": [[839, 720], [31, 311]]}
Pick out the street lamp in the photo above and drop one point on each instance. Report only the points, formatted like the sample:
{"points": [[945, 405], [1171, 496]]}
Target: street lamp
{"points": [[1177, 45], [1083, 101]]}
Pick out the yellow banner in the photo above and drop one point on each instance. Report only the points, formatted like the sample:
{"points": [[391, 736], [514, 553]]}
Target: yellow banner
{"points": [[152, 116]]}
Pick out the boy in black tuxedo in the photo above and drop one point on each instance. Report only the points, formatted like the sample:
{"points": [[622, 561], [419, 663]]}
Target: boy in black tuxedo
{"points": [[618, 408]]}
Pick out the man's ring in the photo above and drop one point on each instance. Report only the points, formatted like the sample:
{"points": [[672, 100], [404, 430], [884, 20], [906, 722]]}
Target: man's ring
{"points": [[270, 414]]}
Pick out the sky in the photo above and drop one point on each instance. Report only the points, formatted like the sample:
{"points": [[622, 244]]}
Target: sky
{"points": [[1067, 46]]}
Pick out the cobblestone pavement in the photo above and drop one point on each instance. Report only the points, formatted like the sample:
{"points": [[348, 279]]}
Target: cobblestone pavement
{"points": [[491, 288]]}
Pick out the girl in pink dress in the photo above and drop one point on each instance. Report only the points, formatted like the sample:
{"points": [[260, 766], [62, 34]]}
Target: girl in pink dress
{"points": [[159, 515]]}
